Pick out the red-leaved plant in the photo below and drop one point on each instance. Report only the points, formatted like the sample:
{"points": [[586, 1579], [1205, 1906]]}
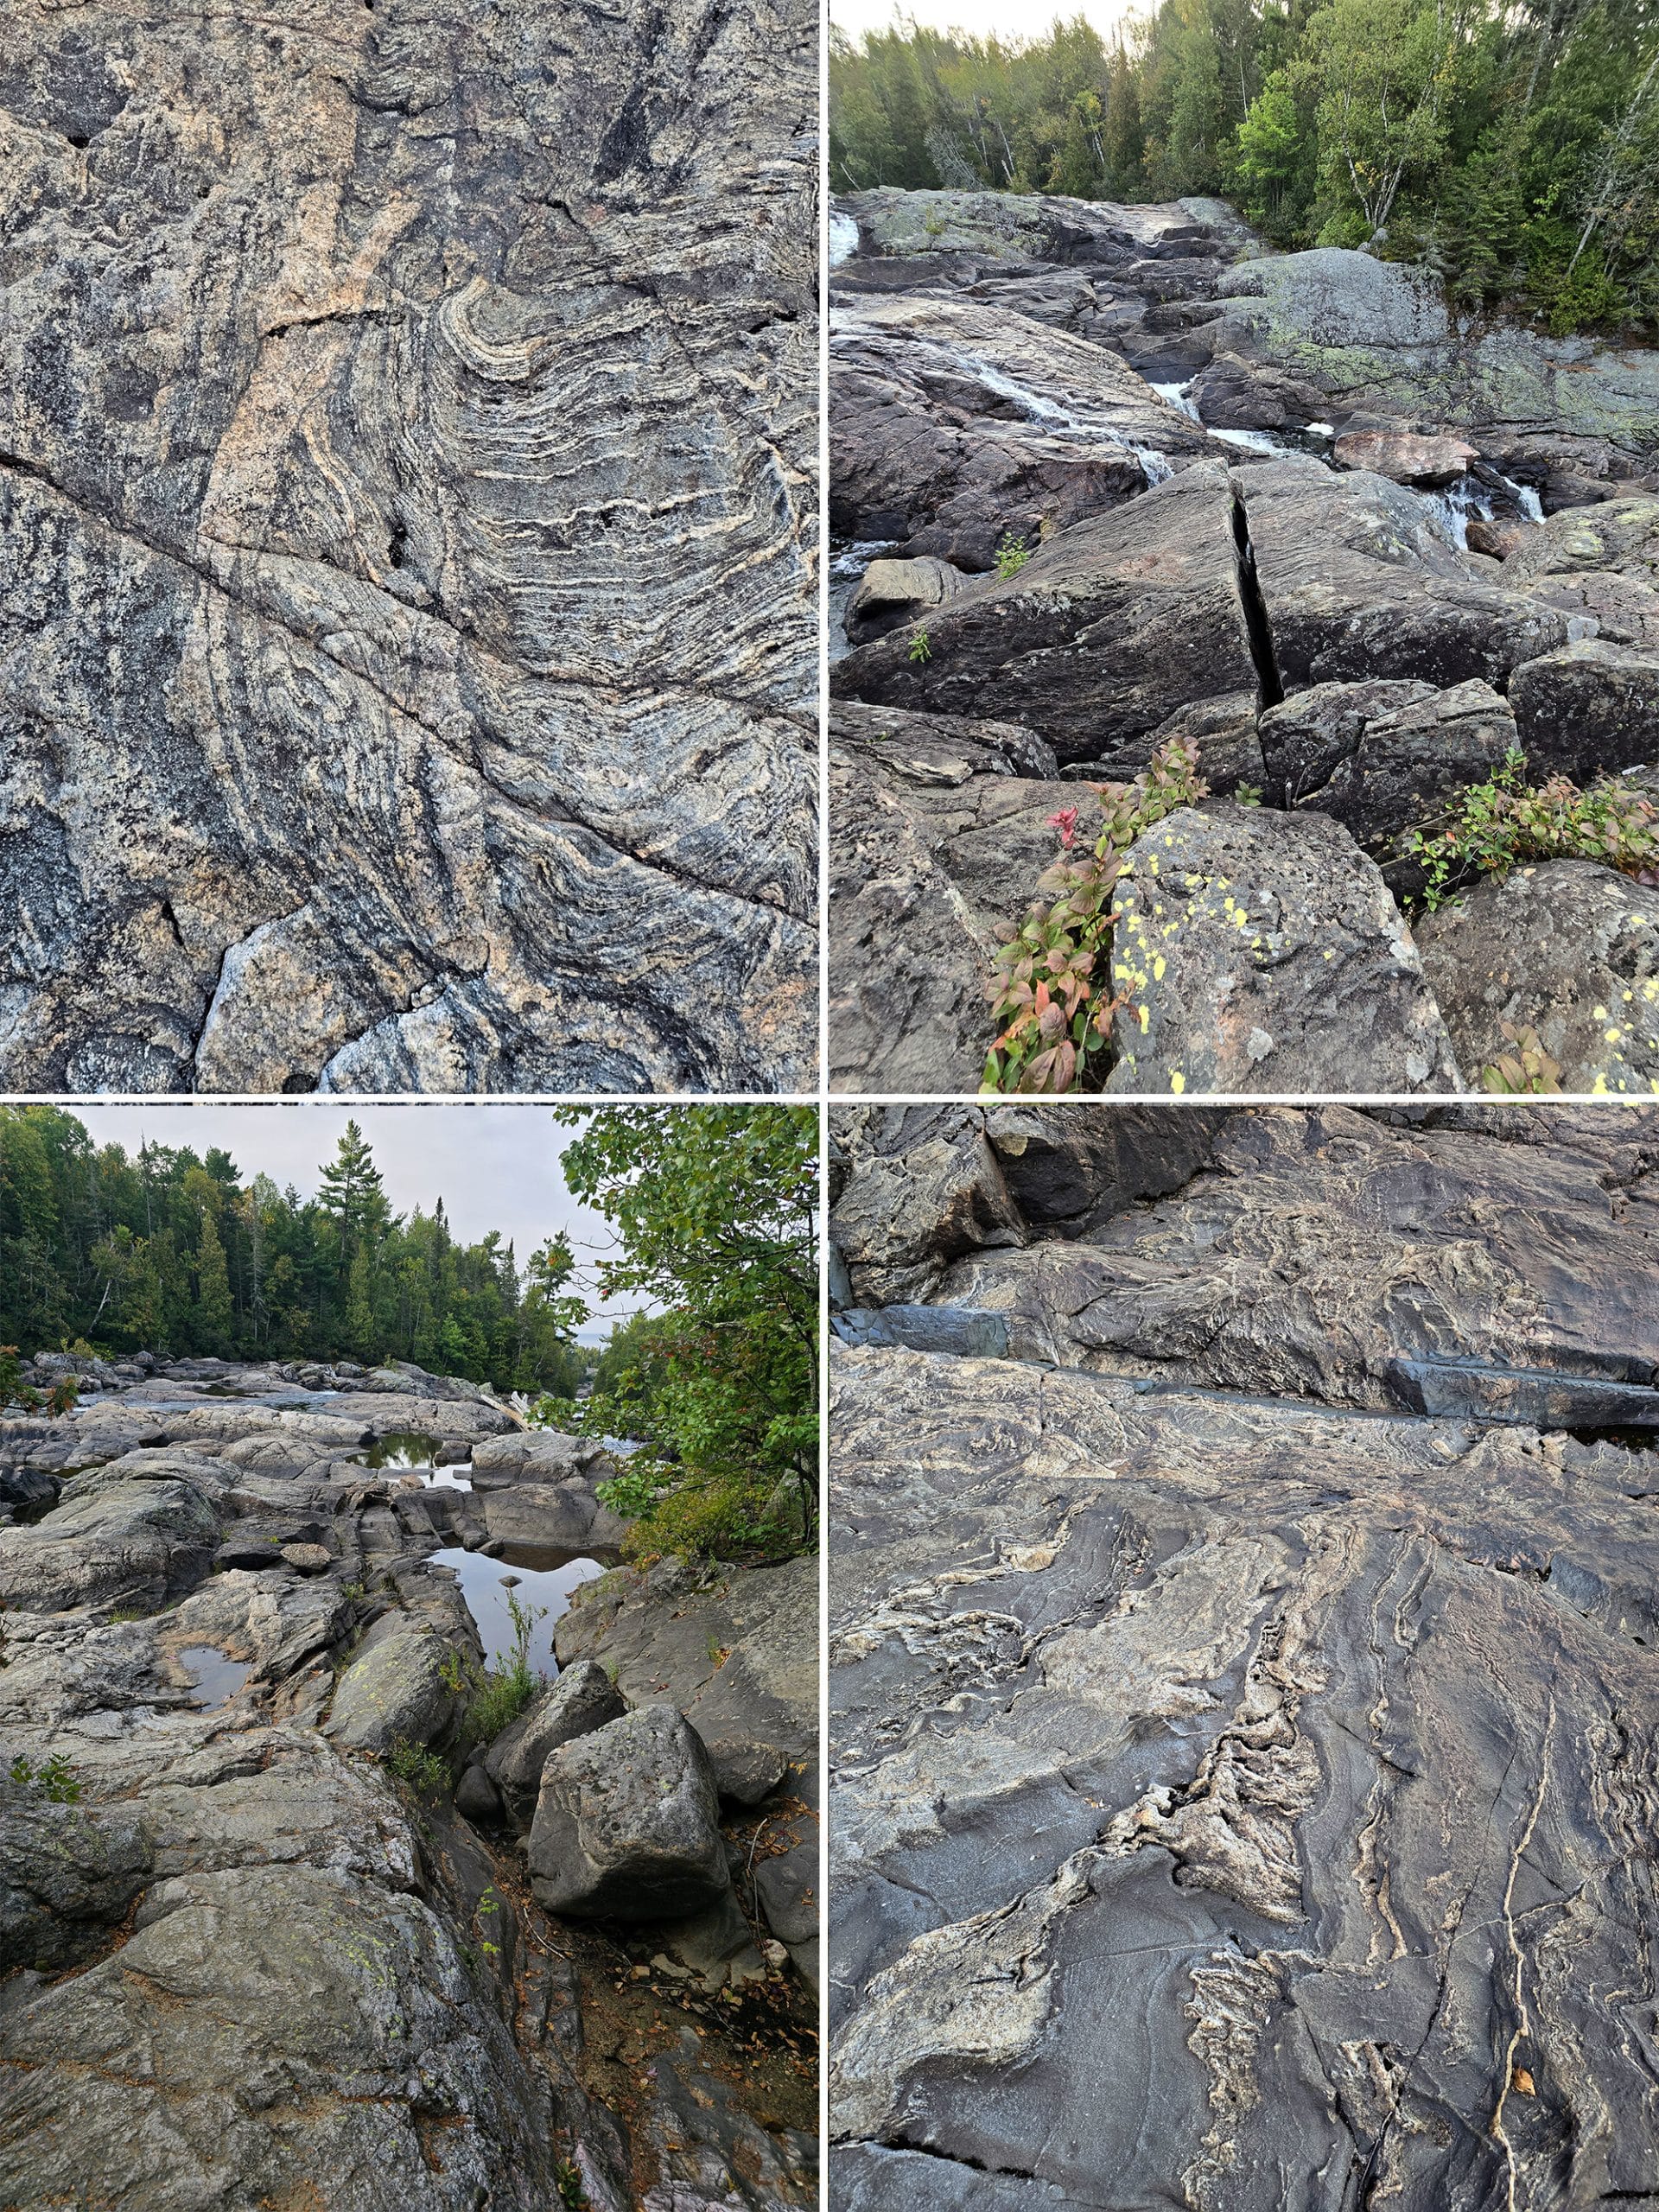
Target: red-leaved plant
{"points": [[1056, 1016]]}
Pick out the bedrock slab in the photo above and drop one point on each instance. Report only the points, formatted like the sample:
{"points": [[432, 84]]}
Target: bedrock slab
{"points": [[1237, 1804], [408, 437]]}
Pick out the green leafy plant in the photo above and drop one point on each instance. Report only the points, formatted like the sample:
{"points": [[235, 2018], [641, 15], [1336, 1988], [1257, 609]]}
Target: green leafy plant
{"points": [[504, 1692], [419, 1766], [1248, 795], [921, 650], [452, 1670], [1505, 820], [572, 2195], [1528, 1068], [52, 1778], [1049, 990], [1010, 556]]}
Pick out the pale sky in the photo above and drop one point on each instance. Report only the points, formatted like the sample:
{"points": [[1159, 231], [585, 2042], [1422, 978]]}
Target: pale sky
{"points": [[495, 1166], [977, 17]]}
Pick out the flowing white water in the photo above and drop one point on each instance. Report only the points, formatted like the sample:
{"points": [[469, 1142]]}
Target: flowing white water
{"points": [[843, 239]]}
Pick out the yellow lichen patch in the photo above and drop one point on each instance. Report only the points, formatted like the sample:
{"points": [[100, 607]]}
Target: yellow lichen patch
{"points": [[1177, 1081]]}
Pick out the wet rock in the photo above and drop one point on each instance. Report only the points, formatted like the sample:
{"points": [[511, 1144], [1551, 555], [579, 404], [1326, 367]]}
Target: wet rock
{"points": [[1235, 395], [1110, 626], [1587, 708], [433, 741], [1356, 584], [395, 1689], [1120, 1879], [1260, 951], [1406, 456], [1566, 949], [580, 1699], [891, 592], [626, 1823]]}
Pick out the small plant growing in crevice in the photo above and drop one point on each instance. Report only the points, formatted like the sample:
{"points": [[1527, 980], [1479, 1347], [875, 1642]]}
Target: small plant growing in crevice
{"points": [[1010, 556], [52, 1779], [572, 2196], [502, 1694], [1050, 990], [921, 650], [1498, 823], [419, 1766], [1528, 1068]]}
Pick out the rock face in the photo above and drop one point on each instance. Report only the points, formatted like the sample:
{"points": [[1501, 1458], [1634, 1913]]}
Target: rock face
{"points": [[1110, 626], [626, 1822], [240, 1953], [1150, 1703], [453, 503], [1404, 457], [579, 1702], [1260, 951], [1564, 948]]}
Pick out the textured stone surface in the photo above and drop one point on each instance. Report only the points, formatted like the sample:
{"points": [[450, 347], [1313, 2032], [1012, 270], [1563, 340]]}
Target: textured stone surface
{"points": [[1403, 457], [626, 1823], [1566, 949], [1589, 708], [1260, 951], [408, 434], [1236, 1795], [580, 1699], [1109, 627]]}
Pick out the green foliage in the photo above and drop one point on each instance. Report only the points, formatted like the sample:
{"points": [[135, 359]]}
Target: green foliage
{"points": [[62, 1397], [1505, 820], [173, 1251], [421, 1767], [1010, 556], [507, 1689], [1528, 1068], [921, 650], [572, 2195], [1514, 154], [1050, 989], [714, 1209], [52, 1779]]}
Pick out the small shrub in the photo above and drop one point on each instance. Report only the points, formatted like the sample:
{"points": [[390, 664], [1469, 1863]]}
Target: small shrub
{"points": [[1529, 1067], [921, 650], [572, 2196], [419, 1766], [1505, 820], [1248, 795], [52, 1779], [502, 1694], [65, 1391], [1010, 556], [452, 1670], [1056, 1017]]}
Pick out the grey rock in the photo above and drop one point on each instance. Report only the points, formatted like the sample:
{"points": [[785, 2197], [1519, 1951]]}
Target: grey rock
{"points": [[944, 750], [422, 741], [67, 1876], [566, 1518], [478, 1798], [926, 1328], [626, 1823], [140, 1532], [394, 1690], [1110, 626], [788, 1888], [1260, 951], [890, 592], [1566, 949], [538, 1455], [1588, 709], [926, 1186], [579, 1700]]}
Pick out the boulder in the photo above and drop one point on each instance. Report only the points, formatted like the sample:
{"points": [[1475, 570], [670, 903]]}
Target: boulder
{"points": [[580, 1699], [395, 1689], [538, 1456], [1406, 456], [567, 1518], [1356, 583], [1588, 709], [1231, 394], [626, 1824], [891, 592], [136, 1533], [1223, 734], [1390, 759], [1566, 949], [946, 750], [1260, 951], [924, 1187], [1109, 627]]}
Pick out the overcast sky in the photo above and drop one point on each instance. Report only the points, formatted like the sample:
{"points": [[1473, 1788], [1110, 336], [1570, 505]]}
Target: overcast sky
{"points": [[977, 17], [494, 1165]]}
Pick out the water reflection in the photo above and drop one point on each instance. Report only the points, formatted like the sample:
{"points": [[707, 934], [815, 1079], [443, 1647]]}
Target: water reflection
{"points": [[539, 1578]]}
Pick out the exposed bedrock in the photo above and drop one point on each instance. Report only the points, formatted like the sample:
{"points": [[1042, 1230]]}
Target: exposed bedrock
{"points": [[408, 622], [1239, 1764], [264, 1914]]}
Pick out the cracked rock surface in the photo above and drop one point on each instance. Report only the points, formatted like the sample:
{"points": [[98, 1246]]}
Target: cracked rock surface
{"points": [[408, 434], [1241, 1773]]}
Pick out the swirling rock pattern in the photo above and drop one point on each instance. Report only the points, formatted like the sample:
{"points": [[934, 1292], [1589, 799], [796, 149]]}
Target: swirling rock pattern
{"points": [[1242, 1801], [408, 436]]}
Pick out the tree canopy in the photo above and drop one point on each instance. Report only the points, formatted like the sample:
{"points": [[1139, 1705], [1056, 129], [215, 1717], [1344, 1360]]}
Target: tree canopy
{"points": [[173, 1251], [1512, 148]]}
